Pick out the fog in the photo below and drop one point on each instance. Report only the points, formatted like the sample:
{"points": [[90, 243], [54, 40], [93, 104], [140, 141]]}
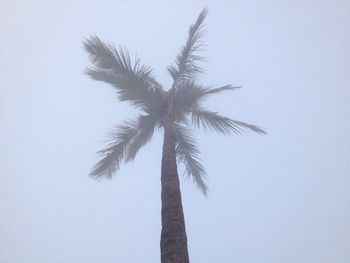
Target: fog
{"points": [[281, 197]]}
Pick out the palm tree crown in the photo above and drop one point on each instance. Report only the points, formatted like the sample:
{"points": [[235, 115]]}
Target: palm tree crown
{"points": [[183, 102]]}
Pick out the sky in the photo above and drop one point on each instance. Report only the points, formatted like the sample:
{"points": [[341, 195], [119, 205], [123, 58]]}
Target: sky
{"points": [[281, 197]]}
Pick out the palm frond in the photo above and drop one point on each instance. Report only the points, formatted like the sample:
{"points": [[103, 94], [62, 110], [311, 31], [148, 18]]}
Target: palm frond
{"points": [[114, 152], [186, 66], [212, 120], [133, 81], [187, 153], [189, 94], [145, 126], [210, 91], [251, 127], [126, 140]]}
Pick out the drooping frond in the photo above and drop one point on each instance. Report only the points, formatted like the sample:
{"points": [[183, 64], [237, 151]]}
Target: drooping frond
{"points": [[212, 120], [114, 153], [133, 81], [125, 142], [186, 64], [189, 94], [187, 153], [145, 126]]}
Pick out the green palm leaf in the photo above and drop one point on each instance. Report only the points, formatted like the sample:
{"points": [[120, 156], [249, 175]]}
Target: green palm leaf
{"points": [[132, 80], [126, 140], [187, 153], [190, 94], [229, 87], [114, 153], [145, 126], [212, 120], [186, 66]]}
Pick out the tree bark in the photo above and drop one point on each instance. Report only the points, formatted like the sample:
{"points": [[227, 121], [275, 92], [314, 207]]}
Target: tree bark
{"points": [[173, 242]]}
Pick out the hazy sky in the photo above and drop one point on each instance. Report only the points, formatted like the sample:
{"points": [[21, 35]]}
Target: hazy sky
{"points": [[278, 198]]}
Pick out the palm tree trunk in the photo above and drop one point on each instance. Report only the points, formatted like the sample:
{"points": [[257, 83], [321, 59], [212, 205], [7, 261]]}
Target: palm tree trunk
{"points": [[173, 243]]}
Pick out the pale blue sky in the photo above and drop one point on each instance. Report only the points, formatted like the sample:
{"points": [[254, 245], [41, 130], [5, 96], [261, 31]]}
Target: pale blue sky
{"points": [[283, 197]]}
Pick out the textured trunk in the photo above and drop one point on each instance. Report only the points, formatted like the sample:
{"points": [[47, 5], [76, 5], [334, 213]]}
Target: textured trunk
{"points": [[173, 243]]}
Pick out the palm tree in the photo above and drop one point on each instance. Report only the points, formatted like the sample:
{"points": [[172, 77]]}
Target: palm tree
{"points": [[173, 110]]}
